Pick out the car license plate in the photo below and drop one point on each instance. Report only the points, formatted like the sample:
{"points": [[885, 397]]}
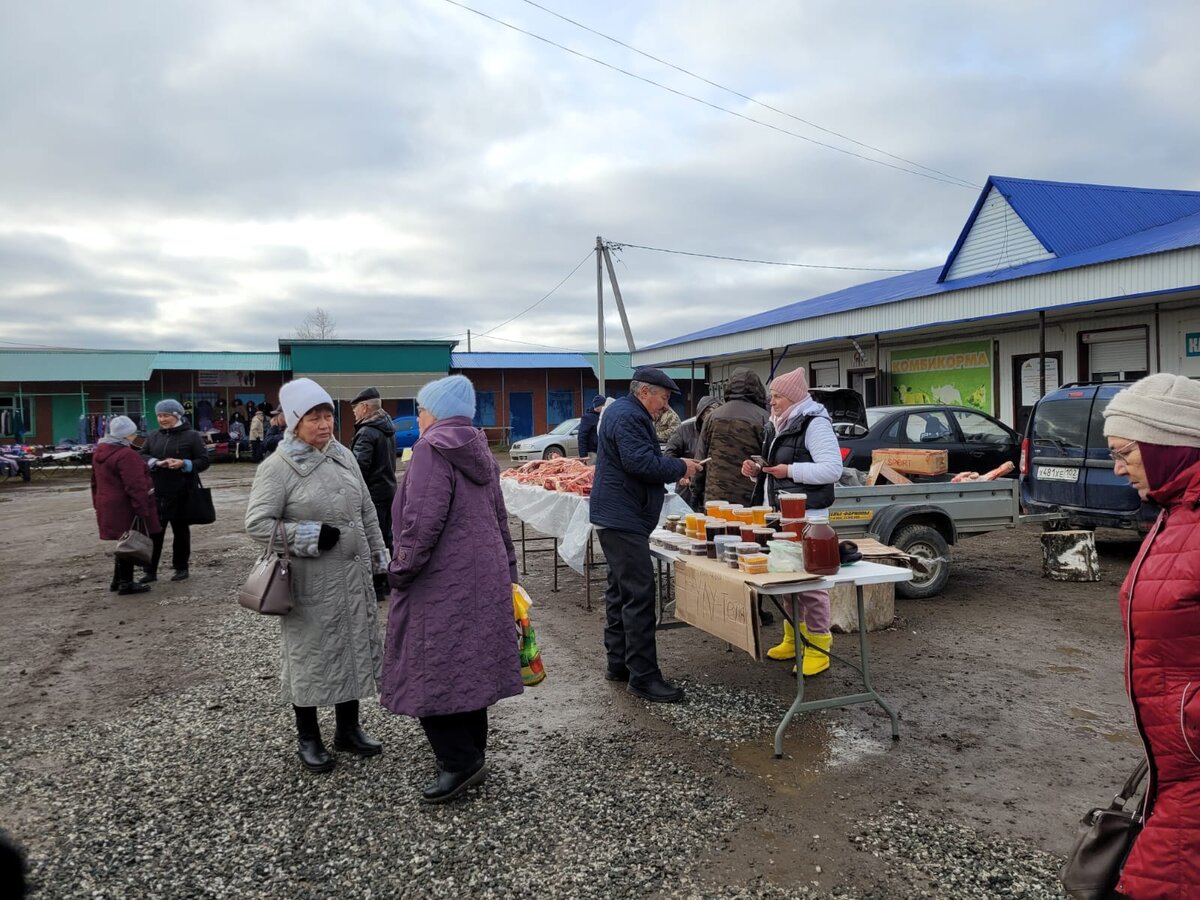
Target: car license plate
{"points": [[1057, 473]]}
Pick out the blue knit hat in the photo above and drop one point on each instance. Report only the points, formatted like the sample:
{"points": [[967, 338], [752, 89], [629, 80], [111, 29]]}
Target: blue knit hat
{"points": [[174, 407], [453, 395]]}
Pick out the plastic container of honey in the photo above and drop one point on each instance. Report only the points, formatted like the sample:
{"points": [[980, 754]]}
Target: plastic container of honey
{"points": [[793, 505]]}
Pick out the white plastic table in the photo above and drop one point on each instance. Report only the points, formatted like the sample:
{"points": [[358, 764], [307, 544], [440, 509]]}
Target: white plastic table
{"points": [[859, 574]]}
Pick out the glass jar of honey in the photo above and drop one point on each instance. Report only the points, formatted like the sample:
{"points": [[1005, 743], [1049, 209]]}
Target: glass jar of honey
{"points": [[792, 505], [820, 542]]}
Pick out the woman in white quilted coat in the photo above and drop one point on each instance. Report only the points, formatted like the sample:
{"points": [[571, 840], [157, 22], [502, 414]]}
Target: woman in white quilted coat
{"points": [[331, 652]]}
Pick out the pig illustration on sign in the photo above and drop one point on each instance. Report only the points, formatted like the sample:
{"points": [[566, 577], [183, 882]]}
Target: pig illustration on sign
{"points": [[948, 394]]}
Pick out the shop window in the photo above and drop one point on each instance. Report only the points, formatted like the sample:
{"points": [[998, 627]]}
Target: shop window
{"points": [[825, 373], [485, 409], [16, 416], [560, 406], [408, 407], [125, 405]]}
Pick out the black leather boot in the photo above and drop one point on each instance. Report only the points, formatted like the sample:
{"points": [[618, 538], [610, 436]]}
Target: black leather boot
{"points": [[309, 748], [449, 785], [132, 587], [313, 754], [349, 737]]}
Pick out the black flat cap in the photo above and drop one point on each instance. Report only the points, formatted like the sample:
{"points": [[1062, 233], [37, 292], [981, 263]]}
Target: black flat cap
{"points": [[656, 377], [365, 394]]}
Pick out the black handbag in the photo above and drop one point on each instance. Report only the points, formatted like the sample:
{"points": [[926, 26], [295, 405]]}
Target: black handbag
{"points": [[1094, 864], [200, 509]]}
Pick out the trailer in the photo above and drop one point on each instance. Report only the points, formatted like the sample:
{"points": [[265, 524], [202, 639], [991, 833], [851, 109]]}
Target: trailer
{"points": [[924, 519]]}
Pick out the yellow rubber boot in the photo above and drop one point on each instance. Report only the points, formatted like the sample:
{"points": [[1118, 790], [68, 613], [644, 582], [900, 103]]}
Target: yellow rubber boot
{"points": [[785, 649], [804, 634], [816, 662]]}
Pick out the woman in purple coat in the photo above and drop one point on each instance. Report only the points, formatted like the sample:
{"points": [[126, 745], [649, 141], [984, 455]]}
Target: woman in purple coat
{"points": [[451, 648], [121, 489]]}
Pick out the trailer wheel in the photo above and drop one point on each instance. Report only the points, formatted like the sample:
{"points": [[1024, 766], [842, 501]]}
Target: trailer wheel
{"points": [[928, 544]]}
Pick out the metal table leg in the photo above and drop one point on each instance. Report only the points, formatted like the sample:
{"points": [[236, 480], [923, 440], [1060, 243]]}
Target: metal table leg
{"points": [[870, 695], [554, 590], [524, 571]]}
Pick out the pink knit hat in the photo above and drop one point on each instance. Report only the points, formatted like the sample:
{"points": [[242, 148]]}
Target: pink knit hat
{"points": [[793, 385]]}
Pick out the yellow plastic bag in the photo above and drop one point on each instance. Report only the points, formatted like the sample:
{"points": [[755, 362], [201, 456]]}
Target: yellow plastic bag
{"points": [[532, 670]]}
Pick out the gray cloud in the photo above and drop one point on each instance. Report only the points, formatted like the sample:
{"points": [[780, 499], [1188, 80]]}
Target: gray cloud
{"points": [[212, 172]]}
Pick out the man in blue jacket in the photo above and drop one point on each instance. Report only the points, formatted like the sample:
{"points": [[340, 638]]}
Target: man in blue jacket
{"points": [[626, 502], [588, 423]]}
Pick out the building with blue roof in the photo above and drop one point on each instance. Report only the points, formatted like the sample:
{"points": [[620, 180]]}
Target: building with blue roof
{"points": [[1100, 281]]}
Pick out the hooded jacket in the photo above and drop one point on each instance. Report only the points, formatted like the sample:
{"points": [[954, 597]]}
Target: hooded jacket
{"points": [[685, 443], [731, 435], [628, 488], [451, 642], [375, 449], [1160, 608], [121, 489], [588, 423]]}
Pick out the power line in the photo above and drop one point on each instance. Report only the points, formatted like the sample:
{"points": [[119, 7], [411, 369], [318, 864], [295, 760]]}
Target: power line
{"points": [[764, 262], [702, 102], [586, 257], [528, 344], [749, 99]]}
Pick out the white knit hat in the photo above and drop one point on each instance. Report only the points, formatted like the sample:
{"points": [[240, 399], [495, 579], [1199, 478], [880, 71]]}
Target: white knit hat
{"points": [[1160, 409], [298, 397]]}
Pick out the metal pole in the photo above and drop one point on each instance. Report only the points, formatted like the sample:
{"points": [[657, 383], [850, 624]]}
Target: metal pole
{"points": [[468, 340], [600, 311], [1041, 357], [612, 279], [692, 392]]}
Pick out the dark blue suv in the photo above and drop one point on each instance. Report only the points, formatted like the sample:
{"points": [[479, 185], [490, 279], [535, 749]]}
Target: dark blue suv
{"points": [[1065, 466]]}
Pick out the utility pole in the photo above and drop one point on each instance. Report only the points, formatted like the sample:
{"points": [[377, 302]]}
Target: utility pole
{"points": [[612, 279], [600, 311], [468, 340]]}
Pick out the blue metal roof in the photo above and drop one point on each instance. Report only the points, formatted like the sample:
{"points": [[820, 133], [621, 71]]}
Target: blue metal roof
{"points": [[518, 360], [1068, 217], [1177, 233]]}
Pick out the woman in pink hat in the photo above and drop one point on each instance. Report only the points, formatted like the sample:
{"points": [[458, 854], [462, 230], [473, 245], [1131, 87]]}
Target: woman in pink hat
{"points": [[802, 456]]}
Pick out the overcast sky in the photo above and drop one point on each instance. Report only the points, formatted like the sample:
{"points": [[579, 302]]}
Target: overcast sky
{"points": [[203, 175]]}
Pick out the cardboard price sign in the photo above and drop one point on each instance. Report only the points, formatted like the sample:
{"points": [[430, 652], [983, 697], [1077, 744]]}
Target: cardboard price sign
{"points": [[721, 600]]}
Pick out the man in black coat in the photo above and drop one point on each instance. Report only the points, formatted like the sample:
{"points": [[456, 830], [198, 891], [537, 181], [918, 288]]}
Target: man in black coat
{"points": [[375, 449], [588, 423], [626, 502]]}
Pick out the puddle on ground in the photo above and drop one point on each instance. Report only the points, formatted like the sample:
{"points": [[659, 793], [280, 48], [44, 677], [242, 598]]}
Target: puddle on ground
{"points": [[1066, 670], [811, 748]]}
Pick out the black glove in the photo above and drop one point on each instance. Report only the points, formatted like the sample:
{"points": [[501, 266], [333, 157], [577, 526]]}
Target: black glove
{"points": [[328, 538]]}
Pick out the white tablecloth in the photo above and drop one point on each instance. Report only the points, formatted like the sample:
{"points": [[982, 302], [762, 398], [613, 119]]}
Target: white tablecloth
{"points": [[565, 516]]}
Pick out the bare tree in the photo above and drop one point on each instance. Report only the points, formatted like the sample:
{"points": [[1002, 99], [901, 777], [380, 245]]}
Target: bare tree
{"points": [[318, 325]]}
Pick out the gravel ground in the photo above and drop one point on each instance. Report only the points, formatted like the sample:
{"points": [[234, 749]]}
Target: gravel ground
{"points": [[144, 753], [199, 796]]}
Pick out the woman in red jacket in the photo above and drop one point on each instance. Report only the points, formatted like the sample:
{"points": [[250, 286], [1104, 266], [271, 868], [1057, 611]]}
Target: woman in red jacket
{"points": [[1153, 433], [121, 489]]}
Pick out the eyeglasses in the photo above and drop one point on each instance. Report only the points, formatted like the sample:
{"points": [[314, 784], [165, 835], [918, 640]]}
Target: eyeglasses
{"points": [[1122, 455]]}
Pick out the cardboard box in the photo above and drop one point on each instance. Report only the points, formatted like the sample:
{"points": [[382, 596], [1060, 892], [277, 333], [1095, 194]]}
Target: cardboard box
{"points": [[722, 601], [913, 462]]}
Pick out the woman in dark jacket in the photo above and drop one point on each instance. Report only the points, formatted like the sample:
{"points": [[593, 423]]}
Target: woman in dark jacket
{"points": [[451, 647], [1153, 433], [121, 489], [175, 454]]}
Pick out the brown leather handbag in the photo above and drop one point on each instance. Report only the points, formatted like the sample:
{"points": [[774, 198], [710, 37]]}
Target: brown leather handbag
{"points": [[135, 544], [1094, 864], [268, 588]]}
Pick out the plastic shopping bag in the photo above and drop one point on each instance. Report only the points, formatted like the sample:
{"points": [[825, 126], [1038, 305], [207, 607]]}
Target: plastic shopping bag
{"points": [[532, 670]]}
